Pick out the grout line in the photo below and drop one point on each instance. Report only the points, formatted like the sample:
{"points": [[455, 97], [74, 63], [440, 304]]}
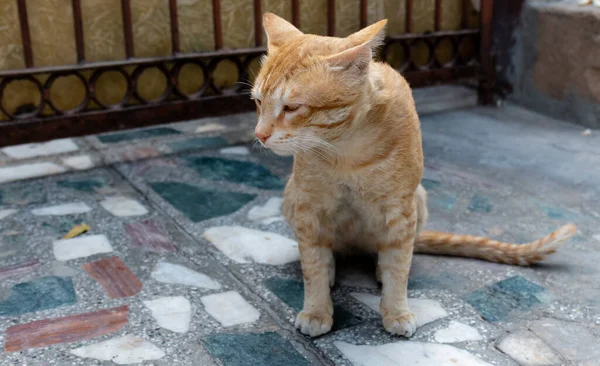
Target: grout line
{"points": [[281, 323]]}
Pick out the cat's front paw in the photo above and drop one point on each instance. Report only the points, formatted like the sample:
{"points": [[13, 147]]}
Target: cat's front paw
{"points": [[314, 324], [403, 325]]}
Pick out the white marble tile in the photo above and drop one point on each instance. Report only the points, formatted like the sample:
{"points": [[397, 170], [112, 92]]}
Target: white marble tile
{"points": [[527, 349], [78, 162], [589, 362], [245, 245], [457, 332], [235, 150], [79, 247], [597, 237], [121, 206], [571, 340], [230, 308], [425, 310], [406, 353], [122, 350], [53, 147], [64, 209], [24, 171], [177, 274], [7, 212], [172, 312], [272, 208], [271, 220], [210, 127]]}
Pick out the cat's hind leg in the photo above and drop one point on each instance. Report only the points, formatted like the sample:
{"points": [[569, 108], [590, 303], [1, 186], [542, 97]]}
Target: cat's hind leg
{"points": [[422, 216], [422, 212], [332, 272]]}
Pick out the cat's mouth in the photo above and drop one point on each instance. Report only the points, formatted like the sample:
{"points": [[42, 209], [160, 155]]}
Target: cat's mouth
{"points": [[277, 147], [288, 144], [278, 142], [280, 149]]}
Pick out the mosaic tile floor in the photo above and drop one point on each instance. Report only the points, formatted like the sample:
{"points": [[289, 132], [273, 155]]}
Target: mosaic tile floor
{"points": [[189, 262]]}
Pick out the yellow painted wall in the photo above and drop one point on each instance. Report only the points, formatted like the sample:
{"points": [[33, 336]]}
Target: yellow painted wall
{"points": [[53, 41]]}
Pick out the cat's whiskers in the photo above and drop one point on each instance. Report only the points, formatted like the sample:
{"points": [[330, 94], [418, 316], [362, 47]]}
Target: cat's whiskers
{"points": [[303, 146], [256, 142], [325, 148], [248, 84]]}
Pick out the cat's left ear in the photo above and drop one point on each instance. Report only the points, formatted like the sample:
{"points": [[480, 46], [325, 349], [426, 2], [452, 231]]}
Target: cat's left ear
{"points": [[373, 34], [278, 30], [360, 47], [357, 57]]}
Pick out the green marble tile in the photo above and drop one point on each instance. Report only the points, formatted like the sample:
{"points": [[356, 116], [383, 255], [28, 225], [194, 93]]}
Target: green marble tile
{"points": [[443, 200], [137, 134], [88, 185], [199, 204], [291, 292], [235, 171], [268, 349], [23, 194], [40, 294], [480, 204], [497, 301], [197, 143], [444, 280], [558, 213], [430, 184]]}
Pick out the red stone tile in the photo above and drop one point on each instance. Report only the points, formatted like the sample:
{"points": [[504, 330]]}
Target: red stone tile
{"points": [[138, 153], [141, 167], [74, 328], [19, 269], [148, 235], [114, 276]]}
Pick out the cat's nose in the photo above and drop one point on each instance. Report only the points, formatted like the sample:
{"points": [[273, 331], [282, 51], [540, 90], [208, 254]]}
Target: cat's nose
{"points": [[263, 136]]}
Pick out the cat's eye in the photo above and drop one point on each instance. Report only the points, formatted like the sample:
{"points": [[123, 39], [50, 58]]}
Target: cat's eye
{"points": [[257, 102], [290, 108]]}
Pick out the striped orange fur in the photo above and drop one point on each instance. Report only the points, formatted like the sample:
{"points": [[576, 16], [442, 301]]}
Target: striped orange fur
{"points": [[431, 242], [352, 127]]}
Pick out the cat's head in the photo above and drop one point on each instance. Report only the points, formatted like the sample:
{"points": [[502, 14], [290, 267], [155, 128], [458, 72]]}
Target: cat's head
{"points": [[309, 88]]}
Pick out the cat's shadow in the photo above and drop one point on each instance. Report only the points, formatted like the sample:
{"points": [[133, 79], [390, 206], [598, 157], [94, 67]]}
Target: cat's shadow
{"points": [[359, 268]]}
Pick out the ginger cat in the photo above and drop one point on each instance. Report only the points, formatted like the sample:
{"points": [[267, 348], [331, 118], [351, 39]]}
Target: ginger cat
{"points": [[353, 130]]}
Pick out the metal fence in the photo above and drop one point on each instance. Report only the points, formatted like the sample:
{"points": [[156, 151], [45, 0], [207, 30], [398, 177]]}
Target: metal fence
{"points": [[210, 100]]}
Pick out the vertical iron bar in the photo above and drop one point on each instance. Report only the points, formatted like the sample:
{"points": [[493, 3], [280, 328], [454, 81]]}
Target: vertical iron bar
{"points": [[258, 32], [127, 27], [78, 22], [438, 15], [217, 23], [464, 24], [296, 13], [331, 18], [364, 5], [487, 74], [174, 27], [25, 35], [408, 22]]}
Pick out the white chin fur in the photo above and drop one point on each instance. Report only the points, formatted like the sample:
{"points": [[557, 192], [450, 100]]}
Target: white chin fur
{"points": [[280, 151]]}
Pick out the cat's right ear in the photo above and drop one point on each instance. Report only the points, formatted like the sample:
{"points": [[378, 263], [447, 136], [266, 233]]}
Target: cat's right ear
{"points": [[278, 30]]}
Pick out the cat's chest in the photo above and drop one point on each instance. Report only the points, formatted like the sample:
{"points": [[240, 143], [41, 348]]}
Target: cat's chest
{"points": [[352, 204], [356, 222]]}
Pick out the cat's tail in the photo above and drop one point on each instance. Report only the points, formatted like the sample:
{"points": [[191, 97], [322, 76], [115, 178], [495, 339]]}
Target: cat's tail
{"points": [[432, 242]]}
